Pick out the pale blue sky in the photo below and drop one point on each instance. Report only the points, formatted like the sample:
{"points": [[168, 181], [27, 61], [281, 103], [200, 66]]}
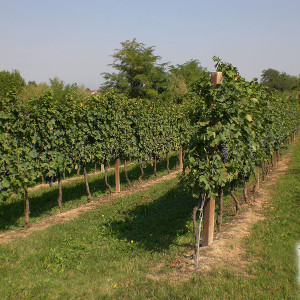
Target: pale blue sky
{"points": [[74, 39]]}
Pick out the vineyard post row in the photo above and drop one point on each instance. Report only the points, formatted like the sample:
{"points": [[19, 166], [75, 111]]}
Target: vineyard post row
{"points": [[117, 169]]}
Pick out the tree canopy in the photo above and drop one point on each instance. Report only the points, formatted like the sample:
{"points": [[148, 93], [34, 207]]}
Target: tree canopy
{"points": [[279, 81], [190, 71], [181, 79], [139, 73]]}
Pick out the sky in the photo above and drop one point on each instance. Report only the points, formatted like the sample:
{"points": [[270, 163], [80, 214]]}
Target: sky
{"points": [[74, 39]]}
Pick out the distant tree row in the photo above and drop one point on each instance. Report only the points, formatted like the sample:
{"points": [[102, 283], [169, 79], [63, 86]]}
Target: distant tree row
{"points": [[280, 81], [139, 75], [13, 81]]}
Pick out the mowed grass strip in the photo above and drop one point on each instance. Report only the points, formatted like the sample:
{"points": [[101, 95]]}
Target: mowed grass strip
{"points": [[101, 251], [107, 253]]}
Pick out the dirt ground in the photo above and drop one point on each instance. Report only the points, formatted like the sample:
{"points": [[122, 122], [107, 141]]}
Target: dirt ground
{"points": [[226, 250]]}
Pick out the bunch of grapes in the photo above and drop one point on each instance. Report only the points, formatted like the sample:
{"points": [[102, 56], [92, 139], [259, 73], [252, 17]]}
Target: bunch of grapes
{"points": [[246, 178], [267, 145], [224, 152]]}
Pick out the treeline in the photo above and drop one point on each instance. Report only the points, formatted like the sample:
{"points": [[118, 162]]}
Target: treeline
{"points": [[144, 113], [280, 81]]}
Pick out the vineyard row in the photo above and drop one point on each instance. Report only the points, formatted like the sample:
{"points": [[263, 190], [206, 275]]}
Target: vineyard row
{"points": [[225, 132]]}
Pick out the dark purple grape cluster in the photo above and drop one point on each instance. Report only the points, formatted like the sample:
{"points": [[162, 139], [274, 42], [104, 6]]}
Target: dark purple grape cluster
{"points": [[246, 178], [267, 145], [224, 152]]}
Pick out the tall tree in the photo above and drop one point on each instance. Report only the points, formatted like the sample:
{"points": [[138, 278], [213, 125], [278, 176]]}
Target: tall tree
{"points": [[139, 73]]}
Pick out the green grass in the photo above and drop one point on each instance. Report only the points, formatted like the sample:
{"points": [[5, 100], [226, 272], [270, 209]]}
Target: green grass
{"points": [[43, 202], [107, 253], [86, 257]]}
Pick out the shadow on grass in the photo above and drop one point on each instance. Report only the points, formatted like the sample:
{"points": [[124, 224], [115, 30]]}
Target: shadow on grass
{"points": [[294, 171], [44, 200], [156, 225]]}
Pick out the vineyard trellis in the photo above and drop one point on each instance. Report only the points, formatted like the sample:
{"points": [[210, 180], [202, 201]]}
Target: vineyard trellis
{"points": [[225, 133]]}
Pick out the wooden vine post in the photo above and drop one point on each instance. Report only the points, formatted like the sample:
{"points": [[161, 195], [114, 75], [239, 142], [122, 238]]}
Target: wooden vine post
{"points": [[216, 78], [102, 168], [117, 175], [209, 206], [208, 221]]}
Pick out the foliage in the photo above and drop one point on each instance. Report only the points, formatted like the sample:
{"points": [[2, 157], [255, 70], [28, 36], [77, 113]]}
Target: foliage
{"points": [[10, 81], [66, 128], [60, 90], [178, 89], [19, 156], [33, 90], [279, 81], [239, 115], [190, 71], [139, 74], [54, 133]]}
